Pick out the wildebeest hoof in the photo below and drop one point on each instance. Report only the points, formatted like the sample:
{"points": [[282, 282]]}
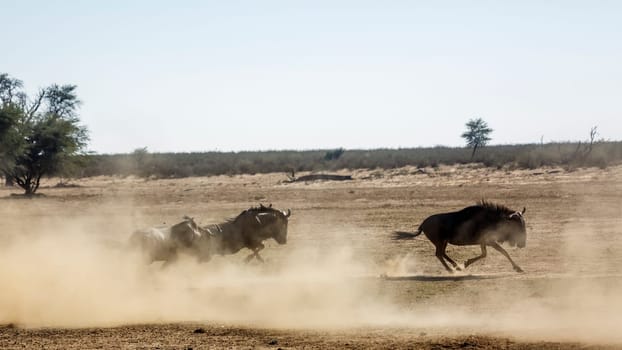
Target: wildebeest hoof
{"points": [[518, 269]]}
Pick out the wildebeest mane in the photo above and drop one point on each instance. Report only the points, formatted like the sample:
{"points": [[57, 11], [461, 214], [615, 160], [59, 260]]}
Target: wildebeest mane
{"points": [[259, 209], [499, 209]]}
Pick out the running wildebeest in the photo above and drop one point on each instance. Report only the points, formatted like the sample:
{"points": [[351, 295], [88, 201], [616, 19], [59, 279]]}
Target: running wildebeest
{"points": [[247, 230], [485, 224], [163, 243]]}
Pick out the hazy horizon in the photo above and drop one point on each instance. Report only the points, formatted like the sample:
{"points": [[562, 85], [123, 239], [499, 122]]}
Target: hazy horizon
{"points": [[346, 149], [198, 76]]}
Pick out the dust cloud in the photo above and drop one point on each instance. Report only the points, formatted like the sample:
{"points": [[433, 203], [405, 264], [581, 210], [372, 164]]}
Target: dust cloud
{"points": [[77, 272], [400, 265]]}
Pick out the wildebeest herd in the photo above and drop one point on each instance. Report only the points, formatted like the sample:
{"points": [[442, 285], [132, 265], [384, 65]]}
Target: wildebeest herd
{"points": [[485, 224]]}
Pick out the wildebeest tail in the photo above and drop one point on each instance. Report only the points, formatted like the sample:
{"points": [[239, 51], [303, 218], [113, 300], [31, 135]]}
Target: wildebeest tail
{"points": [[406, 235]]}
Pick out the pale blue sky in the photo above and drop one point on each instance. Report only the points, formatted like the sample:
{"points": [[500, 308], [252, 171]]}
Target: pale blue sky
{"points": [[257, 75]]}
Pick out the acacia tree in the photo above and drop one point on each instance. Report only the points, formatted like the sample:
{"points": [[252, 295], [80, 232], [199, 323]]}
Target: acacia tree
{"points": [[39, 136], [476, 135]]}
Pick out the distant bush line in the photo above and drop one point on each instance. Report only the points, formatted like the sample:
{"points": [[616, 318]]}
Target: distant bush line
{"points": [[175, 165]]}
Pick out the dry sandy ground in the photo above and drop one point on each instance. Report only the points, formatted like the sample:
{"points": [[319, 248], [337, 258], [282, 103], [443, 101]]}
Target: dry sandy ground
{"points": [[68, 281]]}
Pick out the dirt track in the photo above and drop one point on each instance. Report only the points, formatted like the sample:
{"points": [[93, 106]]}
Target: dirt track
{"points": [[323, 289]]}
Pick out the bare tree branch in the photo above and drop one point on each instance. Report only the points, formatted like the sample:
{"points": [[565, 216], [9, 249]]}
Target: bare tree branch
{"points": [[36, 103]]}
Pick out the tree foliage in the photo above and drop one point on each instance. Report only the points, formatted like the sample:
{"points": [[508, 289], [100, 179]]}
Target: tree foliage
{"points": [[476, 134], [39, 136]]}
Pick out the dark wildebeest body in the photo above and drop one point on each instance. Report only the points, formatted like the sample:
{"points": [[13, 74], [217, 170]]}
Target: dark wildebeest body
{"points": [[484, 224], [247, 230]]}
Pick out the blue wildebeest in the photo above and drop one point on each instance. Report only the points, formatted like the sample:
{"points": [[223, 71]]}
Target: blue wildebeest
{"points": [[163, 243], [247, 230], [485, 224]]}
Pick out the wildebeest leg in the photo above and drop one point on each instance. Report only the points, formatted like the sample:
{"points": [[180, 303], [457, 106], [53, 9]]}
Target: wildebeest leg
{"points": [[258, 256], [440, 254], [255, 254], [502, 251], [472, 260], [452, 262]]}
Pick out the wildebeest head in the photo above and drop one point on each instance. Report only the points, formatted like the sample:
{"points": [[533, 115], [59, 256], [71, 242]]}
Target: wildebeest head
{"points": [[269, 222], [514, 230]]}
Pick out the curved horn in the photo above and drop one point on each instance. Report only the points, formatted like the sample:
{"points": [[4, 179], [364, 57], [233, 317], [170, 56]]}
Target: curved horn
{"points": [[289, 212], [524, 209]]}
